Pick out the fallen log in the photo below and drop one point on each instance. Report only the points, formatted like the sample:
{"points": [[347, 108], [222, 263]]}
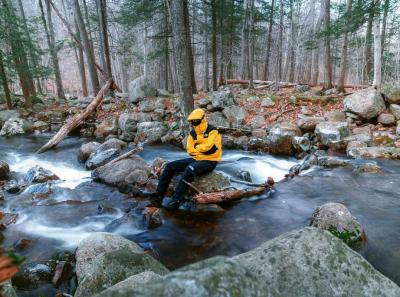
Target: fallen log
{"points": [[126, 155], [231, 195], [238, 130], [77, 119]]}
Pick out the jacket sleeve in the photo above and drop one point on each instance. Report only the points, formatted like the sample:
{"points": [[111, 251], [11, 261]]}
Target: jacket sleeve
{"points": [[208, 142], [191, 150]]}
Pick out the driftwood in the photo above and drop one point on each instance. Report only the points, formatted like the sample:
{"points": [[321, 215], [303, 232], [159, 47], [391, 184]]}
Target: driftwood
{"points": [[77, 119], [230, 195], [126, 155]]}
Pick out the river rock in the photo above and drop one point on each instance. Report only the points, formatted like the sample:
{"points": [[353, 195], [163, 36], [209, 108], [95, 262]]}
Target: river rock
{"points": [[32, 275], [211, 182], [100, 157], [280, 138], [87, 149], [235, 115], [367, 103], [386, 119], [395, 110], [233, 142], [150, 132], [4, 170], [112, 143], [374, 152], [147, 105], [15, 126], [13, 187], [40, 126], [110, 268], [257, 122], [301, 143], [335, 116], [203, 102], [267, 102], [106, 127], [7, 114], [244, 175], [332, 162], [368, 168], [96, 244], [152, 217], [217, 119], [383, 138], [218, 276], [137, 177], [113, 174], [392, 94], [39, 174], [127, 124], [313, 262], [140, 88], [332, 134], [337, 219], [7, 290], [308, 124], [222, 99]]}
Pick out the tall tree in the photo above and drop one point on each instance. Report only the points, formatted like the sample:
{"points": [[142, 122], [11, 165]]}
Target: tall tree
{"points": [[343, 64], [214, 43], [327, 42], [244, 64], [292, 45], [368, 43], [377, 46], [269, 41], [4, 82], [206, 78], [102, 12]]}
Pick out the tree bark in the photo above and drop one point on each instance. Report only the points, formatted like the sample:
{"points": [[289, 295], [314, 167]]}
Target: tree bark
{"points": [[81, 64], [244, 64], [87, 48], [343, 65], [206, 78], [278, 75], [269, 41], [367, 49], [102, 12], [327, 56], [214, 43], [377, 46], [251, 46], [292, 41], [189, 47], [4, 82], [384, 23]]}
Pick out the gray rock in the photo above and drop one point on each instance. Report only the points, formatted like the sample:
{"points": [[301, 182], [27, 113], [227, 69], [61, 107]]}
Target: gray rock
{"points": [[31, 276], [210, 182], [392, 94], [395, 110], [15, 126], [40, 126], [222, 99], [367, 103], [7, 114], [137, 177], [217, 119], [267, 102], [257, 122], [113, 174], [150, 132], [217, 276], [203, 102], [308, 124], [127, 124], [163, 93], [160, 103], [122, 95], [302, 88], [7, 290], [386, 119], [332, 134], [398, 128], [280, 138], [368, 168], [38, 174], [106, 127], [313, 262], [335, 116], [259, 132], [244, 175], [87, 149], [4, 170], [140, 88], [147, 105], [301, 143], [354, 144], [374, 152], [337, 219], [235, 115], [133, 281], [110, 268], [330, 92], [96, 244], [112, 143], [232, 142], [332, 162], [100, 157]]}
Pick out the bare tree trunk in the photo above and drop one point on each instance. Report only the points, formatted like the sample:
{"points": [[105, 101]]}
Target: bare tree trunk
{"points": [[206, 78], [367, 50], [311, 52], [269, 41], [251, 46], [316, 52], [244, 64], [4, 82], [327, 57], [86, 45], [214, 43], [102, 12], [189, 47], [343, 65], [377, 46], [292, 40], [278, 76], [178, 10], [384, 23]]}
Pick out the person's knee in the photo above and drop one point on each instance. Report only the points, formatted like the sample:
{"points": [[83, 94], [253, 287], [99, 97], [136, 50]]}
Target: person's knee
{"points": [[189, 173]]}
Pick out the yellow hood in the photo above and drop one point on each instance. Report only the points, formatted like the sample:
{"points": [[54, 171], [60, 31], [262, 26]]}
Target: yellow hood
{"points": [[198, 114]]}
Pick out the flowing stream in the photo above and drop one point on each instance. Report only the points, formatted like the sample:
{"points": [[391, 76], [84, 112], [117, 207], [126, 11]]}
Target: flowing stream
{"points": [[78, 207]]}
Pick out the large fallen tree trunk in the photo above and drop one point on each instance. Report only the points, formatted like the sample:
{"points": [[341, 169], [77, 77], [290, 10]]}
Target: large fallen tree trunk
{"points": [[77, 119], [230, 195]]}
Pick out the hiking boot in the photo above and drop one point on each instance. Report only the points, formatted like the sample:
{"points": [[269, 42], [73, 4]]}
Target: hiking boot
{"points": [[170, 203]]}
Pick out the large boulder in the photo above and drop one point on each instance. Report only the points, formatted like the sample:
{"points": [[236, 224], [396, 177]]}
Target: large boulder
{"points": [[5, 115], [374, 152], [4, 170], [395, 110], [337, 219], [392, 94], [39, 174], [112, 143], [87, 149], [217, 276], [222, 99], [127, 123], [7, 290], [235, 115], [211, 182], [367, 103], [113, 174], [100, 157], [313, 262], [217, 119], [140, 88], [96, 244], [308, 124], [150, 132], [15, 126], [110, 268], [332, 134], [386, 119], [280, 138], [106, 127]]}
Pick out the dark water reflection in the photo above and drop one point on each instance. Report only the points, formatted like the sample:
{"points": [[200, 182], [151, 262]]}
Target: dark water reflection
{"points": [[74, 211]]}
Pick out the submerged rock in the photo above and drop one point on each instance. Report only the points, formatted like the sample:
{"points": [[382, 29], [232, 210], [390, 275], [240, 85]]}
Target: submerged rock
{"points": [[367, 103], [96, 244], [337, 219], [39, 174], [15, 126], [110, 268], [87, 149], [4, 170], [217, 276], [368, 168], [313, 262], [32, 275]]}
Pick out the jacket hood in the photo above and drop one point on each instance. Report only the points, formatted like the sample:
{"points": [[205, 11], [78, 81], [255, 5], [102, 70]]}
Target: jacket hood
{"points": [[198, 114]]}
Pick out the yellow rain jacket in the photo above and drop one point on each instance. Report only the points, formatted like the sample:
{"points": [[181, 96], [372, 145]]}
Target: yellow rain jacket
{"points": [[204, 142]]}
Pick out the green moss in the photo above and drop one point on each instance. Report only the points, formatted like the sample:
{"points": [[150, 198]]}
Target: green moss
{"points": [[346, 236]]}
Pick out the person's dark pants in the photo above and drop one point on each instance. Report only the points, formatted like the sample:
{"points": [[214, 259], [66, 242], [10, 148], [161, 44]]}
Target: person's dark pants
{"points": [[190, 168]]}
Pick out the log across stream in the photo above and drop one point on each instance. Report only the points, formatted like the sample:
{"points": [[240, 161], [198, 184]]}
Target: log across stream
{"points": [[78, 207]]}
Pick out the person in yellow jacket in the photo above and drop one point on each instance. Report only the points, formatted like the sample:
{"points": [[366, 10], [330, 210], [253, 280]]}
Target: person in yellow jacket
{"points": [[204, 145]]}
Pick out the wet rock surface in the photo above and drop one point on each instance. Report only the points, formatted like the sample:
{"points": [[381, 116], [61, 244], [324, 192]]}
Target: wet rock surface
{"points": [[4, 170], [39, 174]]}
